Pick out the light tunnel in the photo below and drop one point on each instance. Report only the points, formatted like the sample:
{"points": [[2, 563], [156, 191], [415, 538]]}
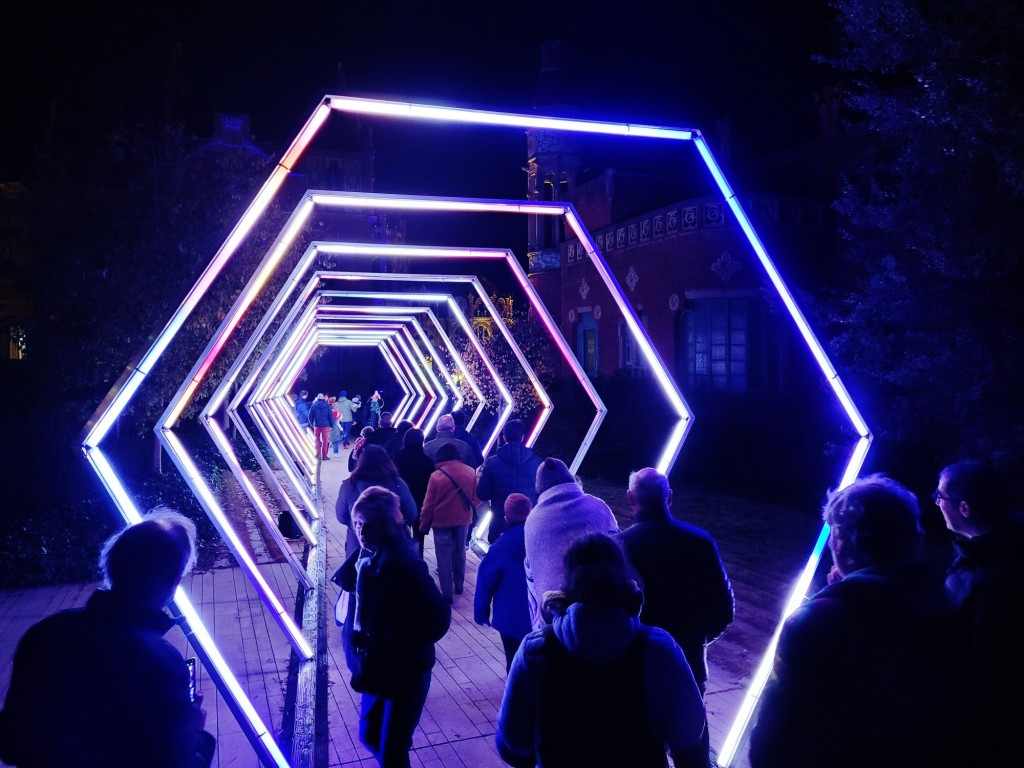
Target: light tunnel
{"points": [[137, 371]]}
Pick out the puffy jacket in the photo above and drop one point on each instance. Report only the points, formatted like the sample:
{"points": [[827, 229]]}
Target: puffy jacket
{"points": [[513, 469]]}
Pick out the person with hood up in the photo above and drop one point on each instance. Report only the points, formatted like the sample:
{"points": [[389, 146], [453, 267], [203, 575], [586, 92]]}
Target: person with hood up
{"points": [[500, 600], [598, 687], [562, 514], [512, 469]]}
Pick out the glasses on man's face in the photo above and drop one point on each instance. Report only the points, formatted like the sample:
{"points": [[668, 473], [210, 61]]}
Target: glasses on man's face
{"points": [[938, 496]]}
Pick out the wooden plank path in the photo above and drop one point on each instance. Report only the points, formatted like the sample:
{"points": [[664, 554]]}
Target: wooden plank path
{"points": [[457, 726]]}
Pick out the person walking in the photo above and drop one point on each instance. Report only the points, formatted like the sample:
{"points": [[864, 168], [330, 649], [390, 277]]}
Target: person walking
{"points": [[870, 671], [686, 590], [415, 468], [395, 616], [562, 514], [346, 415], [512, 469], [374, 468], [448, 511], [597, 688], [321, 419], [501, 599]]}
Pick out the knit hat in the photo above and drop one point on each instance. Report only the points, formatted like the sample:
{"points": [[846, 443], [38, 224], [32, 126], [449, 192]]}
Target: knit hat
{"points": [[553, 472], [517, 507]]}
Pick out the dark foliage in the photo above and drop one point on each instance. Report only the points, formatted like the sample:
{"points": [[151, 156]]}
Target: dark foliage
{"points": [[119, 234], [935, 325]]}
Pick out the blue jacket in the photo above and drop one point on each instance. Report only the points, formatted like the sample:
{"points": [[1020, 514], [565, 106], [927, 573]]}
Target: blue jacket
{"points": [[320, 414], [600, 636], [302, 411], [501, 598], [513, 469]]}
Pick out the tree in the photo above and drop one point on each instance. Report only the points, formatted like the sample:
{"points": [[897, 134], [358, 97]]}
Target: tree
{"points": [[119, 234], [933, 323]]}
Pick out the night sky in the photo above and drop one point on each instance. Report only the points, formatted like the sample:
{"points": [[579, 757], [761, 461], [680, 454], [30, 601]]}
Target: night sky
{"points": [[89, 68]]}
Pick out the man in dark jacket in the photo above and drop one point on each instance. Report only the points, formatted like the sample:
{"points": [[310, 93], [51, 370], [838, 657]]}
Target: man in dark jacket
{"points": [[321, 419], [686, 590], [513, 469], [463, 434], [446, 436], [384, 432], [986, 581], [869, 671], [99, 687]]}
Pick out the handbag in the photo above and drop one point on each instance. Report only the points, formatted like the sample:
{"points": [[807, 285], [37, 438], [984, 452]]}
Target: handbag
{"points": [[341, 604]]}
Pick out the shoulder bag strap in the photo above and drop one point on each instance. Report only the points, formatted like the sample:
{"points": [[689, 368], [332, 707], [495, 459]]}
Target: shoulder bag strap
{"points": [[458, 488]]}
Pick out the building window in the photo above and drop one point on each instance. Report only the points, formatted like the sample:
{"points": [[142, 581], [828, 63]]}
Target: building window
{"points": [[586, 343], [731, 345], [630, 356]]}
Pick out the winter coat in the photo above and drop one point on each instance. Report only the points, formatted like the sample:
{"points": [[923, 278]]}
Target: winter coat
{"points": [[869, 671], [99, 687], [415, 468], [346, 409], [320, 414], [613, 680], [431, 448], [563, 513], [686, 590], [401, 615], [501, 599], [513, 469], [444, 506]]}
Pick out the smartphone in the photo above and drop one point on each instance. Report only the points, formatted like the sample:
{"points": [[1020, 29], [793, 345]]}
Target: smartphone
{"points": [[191, 663]]}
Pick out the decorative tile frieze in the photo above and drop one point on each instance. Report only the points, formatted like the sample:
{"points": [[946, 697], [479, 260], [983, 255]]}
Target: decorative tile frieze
{"points": [[689, 221]]}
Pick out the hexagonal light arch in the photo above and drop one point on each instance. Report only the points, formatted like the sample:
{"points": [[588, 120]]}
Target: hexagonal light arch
{"points": [[285, 357], [105, 416], [289, 359]]}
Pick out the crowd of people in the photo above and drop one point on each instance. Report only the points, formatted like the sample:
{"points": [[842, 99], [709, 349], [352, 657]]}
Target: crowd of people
{"points": [[561, 585], [896, 662]]}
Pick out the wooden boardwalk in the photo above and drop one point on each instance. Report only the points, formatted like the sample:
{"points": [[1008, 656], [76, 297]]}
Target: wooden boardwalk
{"points": [[457, 727]]}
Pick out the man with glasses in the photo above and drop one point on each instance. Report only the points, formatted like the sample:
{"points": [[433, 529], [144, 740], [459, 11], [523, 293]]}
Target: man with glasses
{"points": [[986, 580]]}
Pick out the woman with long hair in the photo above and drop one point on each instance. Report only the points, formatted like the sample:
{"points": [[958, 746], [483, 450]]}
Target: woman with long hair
{"points": [[395, 615], [415, 467], [374, 467]]}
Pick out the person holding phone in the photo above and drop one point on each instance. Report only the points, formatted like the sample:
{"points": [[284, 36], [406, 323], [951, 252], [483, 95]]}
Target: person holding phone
{"points": [[99, 685]]}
